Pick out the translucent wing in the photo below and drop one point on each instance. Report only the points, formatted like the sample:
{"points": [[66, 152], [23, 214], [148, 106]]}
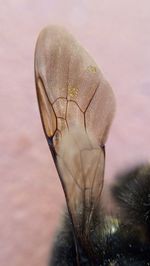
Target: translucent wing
{"points": [[77, 106]]}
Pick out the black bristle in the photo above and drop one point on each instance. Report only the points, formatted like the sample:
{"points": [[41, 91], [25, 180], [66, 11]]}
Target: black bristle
{"points": [[132, 192]]}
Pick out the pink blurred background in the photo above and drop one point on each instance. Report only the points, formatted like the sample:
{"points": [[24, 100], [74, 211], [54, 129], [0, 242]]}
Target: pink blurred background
{"points": [[117, 35]]}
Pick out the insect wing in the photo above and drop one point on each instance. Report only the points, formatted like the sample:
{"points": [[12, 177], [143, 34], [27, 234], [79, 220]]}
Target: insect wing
{"points": [[77, 107]]}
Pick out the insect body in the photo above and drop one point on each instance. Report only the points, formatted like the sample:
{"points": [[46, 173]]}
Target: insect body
{"points": [[77, 106]]}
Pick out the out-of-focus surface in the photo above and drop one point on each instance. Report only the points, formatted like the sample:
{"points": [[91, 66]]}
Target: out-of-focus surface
{"points": [[117, 35]]}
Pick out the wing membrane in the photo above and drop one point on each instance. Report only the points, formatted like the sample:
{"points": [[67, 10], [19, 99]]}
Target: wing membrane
{"points": [[81, 170], [77, 107]]}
